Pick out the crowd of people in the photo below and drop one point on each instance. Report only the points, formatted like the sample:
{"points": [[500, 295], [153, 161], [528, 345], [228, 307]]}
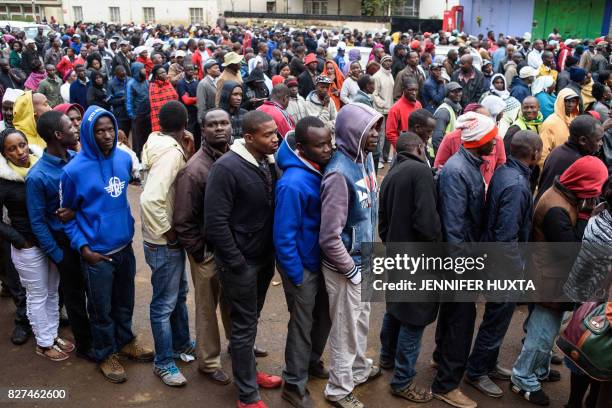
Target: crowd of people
{"points": [[257, 149]]}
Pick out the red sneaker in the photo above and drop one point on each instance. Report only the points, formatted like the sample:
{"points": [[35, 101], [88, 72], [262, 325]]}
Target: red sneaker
{"points": [[268, 381], [258, 404]]}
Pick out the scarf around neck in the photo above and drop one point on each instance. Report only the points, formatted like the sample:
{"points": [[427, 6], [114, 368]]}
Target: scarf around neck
{"points": [[23, 171]]}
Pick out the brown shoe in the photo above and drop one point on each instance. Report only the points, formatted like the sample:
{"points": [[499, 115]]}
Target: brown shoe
{"points": [[456, 398], [218, 376], [413, 393], [112, 369], [53, 353], [136, 351], [64, 345]]}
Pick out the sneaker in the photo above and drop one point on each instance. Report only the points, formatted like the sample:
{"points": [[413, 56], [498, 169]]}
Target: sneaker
{"points": [[500, 373], [375, 372], [553, 376], [413, 393], [318, 370], [64, 345], [381, 165], [219, 376], [53, 353], [268, 381], [292, 395], [456, 398], [134, 350], [538, 397], [348, 402], [485, 385], [20, 335], [189, 351], [386, 364], [112, 369], [258, 404], [171, 375]]}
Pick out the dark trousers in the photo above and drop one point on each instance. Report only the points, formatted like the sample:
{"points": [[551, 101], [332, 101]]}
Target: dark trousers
{"points": [[141, 128], [125, 125], [308, 328], [389, 332], [453, 343], [110, 301], [72, 288], [491, 333], [194, 127], [13, 283], [245, 291]]}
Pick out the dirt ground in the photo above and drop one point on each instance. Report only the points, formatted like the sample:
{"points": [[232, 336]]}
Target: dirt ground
{"points": [[85, 386]]}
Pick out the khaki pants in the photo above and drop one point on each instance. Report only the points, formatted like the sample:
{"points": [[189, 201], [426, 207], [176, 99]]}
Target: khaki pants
{"points": [[207, 296], [348, 338]]}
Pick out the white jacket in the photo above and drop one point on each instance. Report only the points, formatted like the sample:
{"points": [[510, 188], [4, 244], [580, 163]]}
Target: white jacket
{"points": [[383, 90]]}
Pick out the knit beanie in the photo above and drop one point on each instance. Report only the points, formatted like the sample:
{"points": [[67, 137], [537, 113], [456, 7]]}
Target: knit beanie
{"points": [[577, 74], [585, 177], [476, 129]]}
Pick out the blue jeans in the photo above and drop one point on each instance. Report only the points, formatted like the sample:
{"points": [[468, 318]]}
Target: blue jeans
{"points": [[408, 349], [389, 332], [495, 323], [168, 310], [110, 302], [533, 364]]}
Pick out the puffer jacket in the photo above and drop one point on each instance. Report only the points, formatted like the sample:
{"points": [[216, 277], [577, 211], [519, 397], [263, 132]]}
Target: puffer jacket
{"points": [[137, 93], [461, 192]]}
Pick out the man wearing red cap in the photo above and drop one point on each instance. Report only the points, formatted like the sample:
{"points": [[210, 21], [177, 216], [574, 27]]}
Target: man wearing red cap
{"points": [[306, 79]]}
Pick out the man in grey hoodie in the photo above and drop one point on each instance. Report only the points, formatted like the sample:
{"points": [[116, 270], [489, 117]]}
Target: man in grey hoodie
{"points": [[349, 212]]}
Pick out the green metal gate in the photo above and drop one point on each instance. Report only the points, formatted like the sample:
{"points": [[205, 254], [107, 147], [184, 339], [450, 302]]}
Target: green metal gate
{"points": [[573, 18]]}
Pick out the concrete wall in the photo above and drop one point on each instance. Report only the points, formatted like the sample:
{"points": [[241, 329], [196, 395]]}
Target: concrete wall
{"points": [[340, 7], [514, 17], [435, 8], [167, 11]]}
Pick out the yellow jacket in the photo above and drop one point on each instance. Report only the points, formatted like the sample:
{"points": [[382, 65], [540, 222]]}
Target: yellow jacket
{"points": [[544, 70], [23, 119], [555, 129]]}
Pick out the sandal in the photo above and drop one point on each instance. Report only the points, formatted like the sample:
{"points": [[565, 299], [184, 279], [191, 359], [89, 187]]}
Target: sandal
{"points": [[413, 393], [53, 353], [64, 345]]}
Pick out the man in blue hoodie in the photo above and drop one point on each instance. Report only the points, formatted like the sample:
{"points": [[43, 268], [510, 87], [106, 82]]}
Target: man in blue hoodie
{"points": [[116, 91], [138, 106], [94, 185], [349, 217], [297, 219]]}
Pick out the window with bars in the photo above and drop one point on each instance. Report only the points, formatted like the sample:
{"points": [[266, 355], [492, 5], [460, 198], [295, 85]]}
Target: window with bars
{"points": [[406, 8], [78, 13], [148, 14], [315, 6], [271, 6], [115, 14], [196, 15]]}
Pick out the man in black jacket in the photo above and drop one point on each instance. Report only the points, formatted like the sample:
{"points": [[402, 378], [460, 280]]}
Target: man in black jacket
{"points": [[407, 213], [239, 202], [471, 80]]}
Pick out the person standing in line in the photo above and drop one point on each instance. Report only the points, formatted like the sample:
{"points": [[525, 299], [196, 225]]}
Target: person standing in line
{"points": [[297, 218], [350, 88], [397, 120], [509, 213], [163, 156], [161, 91], [94, 186], [206, 91], [407, 214], [461, 191], [239, 202], [349, 212], [188, 221], [138, 106], [446, 114], [187, 92], [46, 216], [383, 100], [276, 108]]}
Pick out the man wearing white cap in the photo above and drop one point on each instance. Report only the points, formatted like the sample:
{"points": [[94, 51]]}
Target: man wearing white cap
{"points": [[8, 102], [521, 84], [176, 72], [231, 72], [461, 191]]}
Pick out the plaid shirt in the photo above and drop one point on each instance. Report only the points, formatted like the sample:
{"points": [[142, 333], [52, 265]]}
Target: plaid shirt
{"points": [[160, 93]]}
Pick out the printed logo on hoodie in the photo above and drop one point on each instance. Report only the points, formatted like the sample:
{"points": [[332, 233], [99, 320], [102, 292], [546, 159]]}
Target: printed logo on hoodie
{"points": [[115, 187]]}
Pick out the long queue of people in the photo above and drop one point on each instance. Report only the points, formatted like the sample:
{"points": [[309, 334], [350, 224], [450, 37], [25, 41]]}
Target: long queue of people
{"points": [[256, 162]]}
